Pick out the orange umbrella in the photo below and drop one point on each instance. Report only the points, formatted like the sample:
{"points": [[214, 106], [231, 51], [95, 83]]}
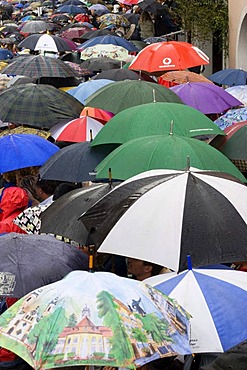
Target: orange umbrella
{"points": [[181, 77], [165, 56], [99, 114]]}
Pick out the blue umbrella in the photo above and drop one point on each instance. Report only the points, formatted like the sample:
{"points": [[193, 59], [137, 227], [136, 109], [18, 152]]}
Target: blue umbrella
{"points": [[85, 89], [108, 39], [230, 117], [5, 54], [230, 77], [24, 150], [70, 9], [72, 2], [216, 300]]}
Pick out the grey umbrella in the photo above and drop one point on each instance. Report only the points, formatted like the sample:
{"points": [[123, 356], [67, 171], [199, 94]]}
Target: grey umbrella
{"points": [[36, 26]]}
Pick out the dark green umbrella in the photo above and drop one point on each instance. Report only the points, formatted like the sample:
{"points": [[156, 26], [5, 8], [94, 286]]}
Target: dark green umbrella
{"points": [[156, 119], [38, 106], [121, 95], [164, 152]]}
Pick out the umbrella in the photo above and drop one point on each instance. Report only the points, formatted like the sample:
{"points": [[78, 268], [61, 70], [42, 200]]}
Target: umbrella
{"points": [[166, 56], [81, 155], [37, 66], [108, 39], [162, 216], [75, 32], [5, 54], [18, 80], [230, 77], [29, 220], [105, 50], [36, 26], [230, 117], [46, 43], [181, 77], [155, 119], [120, 95], [207, 98], [38, 105], [233, 146], [24, 150], [152, 6], [121, 75], [81, 71], [85, 89], [101, 64], [26, 130], [95, 319], [62, 216], [95, 33], [167, 151], [79, 129], [99, 114], [113, 19], [198, 291], [31, 261], [70, 9], [58, 18], [239, 92]]}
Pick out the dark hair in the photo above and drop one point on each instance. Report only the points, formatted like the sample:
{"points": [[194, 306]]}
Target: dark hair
{"points": [[48, 186], [63, 188], [155, 268]]}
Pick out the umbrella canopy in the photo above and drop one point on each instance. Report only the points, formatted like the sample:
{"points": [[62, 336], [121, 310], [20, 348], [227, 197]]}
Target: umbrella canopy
{"points": [[5, 54], [231, 117], [155, 119], [38, 105], [24, 150], [164, 151], [47, 43], [31, 261], [121, 74], [85, 89], [207, 98], [181, 77], [152, 6], [120, 95], [74, 163], [75, 32], [36, 66], [230, 77], [108, 39], [234, 144], [166, 56], [239, 92], [62, 216], [25, 130], [125, 319], [162, 216], [101, 64], [113, 19], [99, 114], [105, 50], [36, 26], [79, 129], [29, 220], [198, 291], [70, 9], [60, 18]]}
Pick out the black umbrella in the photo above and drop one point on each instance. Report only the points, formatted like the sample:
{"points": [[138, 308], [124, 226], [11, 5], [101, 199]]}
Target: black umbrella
{"points": [[60, 18], [38, 106], [74, 163], [152, 6], [61, 218], [31, 43], [121, 75], [36, 26], [36, 66], [28, 262], [74, 57], [101, 64]]}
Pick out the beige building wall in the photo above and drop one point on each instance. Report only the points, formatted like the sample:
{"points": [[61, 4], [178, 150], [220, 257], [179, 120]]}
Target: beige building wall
{"points": [[237, 34]]}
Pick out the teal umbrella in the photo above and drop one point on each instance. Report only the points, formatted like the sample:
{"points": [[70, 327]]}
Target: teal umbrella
{"points": [[164, 152], [156, 119]]}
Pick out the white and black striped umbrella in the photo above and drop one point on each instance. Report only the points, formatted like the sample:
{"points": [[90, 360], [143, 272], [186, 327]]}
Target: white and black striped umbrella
{"points": [[162, 216]]}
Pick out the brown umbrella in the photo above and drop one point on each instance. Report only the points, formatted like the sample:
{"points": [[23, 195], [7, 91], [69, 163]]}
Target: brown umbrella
{"points": [[181, 77]]}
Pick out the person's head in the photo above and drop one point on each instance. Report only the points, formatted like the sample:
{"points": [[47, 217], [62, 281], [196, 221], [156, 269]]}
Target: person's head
{"points": [[45, 188], [10, 177], [63, 188], [142, 269]]}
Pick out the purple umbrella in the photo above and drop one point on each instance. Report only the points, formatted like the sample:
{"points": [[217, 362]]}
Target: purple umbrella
{"points": [[205, 97]]}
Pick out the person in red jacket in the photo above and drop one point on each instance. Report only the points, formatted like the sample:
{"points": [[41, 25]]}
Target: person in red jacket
{"points": [[14, 200]]}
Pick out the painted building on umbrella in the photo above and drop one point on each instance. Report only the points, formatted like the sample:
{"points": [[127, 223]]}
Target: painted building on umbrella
{"points": [[237, 33]]}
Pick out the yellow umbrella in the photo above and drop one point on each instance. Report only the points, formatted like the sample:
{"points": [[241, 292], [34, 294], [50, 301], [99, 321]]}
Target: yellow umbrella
{"points": [[26, 130]]}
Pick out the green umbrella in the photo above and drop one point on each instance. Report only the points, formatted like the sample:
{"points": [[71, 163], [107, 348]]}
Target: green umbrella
{"points": [[156, 119], [164, 152], [121, 95]]}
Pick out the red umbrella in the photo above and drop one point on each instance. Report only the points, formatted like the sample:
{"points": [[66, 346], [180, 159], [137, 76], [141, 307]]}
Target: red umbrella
{"points": [[168, 56], [78, 130], [99, 114], [75, 32]]}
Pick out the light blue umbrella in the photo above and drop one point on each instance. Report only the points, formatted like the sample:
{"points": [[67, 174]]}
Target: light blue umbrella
{"points": [[230, 117], [108, 39], [86, 89], [24, 150]]}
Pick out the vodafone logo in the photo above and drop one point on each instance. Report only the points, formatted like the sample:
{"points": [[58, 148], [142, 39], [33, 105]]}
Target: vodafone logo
{"points": [[201, 54], [167, 63]]}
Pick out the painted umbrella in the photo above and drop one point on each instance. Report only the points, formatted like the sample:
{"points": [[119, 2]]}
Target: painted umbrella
{"points": [[162, 216], [155, 119], [167, 151], [230, 117], [24, 150], [205, 97], [198, 290], [94, 319]]}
